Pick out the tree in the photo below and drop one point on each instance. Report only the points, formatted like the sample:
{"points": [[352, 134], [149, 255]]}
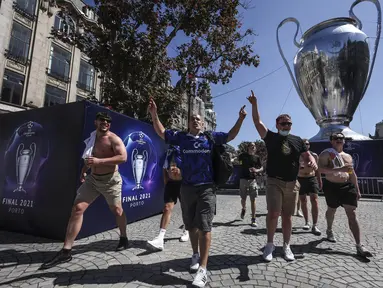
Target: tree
{"points": [[134, 46], [261, 149]]}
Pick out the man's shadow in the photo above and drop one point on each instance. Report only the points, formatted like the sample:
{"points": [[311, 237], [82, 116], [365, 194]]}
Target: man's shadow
{"points": [[152, 274]]}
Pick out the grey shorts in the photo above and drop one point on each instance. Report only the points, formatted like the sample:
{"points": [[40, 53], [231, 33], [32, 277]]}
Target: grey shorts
{"points": [[198, 206], [248, 187]]}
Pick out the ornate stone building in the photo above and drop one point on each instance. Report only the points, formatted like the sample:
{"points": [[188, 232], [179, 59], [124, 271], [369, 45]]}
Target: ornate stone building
{"points": [[39, 65]]}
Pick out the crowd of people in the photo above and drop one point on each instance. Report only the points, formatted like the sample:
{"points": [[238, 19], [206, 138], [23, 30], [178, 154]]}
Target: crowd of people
{"points": [[293, 172]]}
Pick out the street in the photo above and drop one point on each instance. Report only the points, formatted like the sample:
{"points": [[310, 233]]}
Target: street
{"points": [[235, 258]]}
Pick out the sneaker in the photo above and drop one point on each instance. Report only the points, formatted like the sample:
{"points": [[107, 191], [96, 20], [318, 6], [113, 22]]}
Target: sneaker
{"points": [[122, 244], [243, 212], [200, 279], [156, 244], [299, 213], [268, 252], [330, 236], [362, 251], [185, 236], [287, 253], [194, 263], [253, 223], [315, 230], [61, 257], [306, 226]]}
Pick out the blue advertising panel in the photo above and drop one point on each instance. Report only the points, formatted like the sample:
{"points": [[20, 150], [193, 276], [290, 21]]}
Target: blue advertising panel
{"points": [[38, 169], [142, 191]]}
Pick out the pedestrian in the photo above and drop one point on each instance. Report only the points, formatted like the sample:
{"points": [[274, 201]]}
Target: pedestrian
{"points": [[198, 199], [172, 181], [251, 168], [341, 188], [283, 153]]}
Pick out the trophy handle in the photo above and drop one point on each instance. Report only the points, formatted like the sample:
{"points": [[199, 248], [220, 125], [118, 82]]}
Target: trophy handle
{"points": [[134, 153], [290, 19], [19, 148], [145, 153], [33, 148], [378, 30]]}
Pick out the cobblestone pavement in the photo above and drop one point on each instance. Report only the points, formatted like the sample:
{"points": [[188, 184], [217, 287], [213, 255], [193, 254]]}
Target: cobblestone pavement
{"points": [[235, 259]]}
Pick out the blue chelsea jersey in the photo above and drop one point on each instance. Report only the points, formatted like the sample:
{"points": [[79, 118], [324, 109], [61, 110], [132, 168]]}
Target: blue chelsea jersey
{"points": [[196, 155]]}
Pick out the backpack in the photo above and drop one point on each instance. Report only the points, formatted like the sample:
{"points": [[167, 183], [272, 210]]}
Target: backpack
{"points": [[222, 166]]}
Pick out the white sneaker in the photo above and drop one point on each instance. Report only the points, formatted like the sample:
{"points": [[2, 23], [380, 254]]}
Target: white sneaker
{"points": [[185, 236], [288, 254], [156, 244], [268, 252], [306, 226], [200, 279], [299, 213], [194, 263]]}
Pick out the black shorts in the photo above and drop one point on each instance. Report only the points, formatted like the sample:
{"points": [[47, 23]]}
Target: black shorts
{"points": [[339, 194], [198, 205], [172, 191], [309, 185]]}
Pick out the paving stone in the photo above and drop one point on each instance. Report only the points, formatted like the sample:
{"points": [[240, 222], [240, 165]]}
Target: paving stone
{"points": [[235, 258]]}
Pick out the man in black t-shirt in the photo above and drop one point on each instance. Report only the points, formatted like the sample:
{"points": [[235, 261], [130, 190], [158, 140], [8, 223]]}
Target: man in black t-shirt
{"points": [[251, 167], [283, 153]]}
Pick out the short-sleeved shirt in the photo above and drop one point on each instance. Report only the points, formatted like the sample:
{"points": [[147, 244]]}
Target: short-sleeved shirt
{"points": [[248, 161], [283, 154], [196, 155]]}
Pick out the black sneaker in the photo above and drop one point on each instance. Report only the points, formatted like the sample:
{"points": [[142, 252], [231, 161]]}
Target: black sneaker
{"points": [[243, 212], [62, 256], [123, 244], [362, 251]]}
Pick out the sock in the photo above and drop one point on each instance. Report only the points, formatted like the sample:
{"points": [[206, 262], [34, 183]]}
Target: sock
{"points": [[162, 233], [202, 269], [358, 245], [196, 254], [66, 251]]}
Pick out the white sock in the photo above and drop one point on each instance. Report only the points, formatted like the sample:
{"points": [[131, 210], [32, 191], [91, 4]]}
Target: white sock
{"points": [[162, 233], [202, 269]]}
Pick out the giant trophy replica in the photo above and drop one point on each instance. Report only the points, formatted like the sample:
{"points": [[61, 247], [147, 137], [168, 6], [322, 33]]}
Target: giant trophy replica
{"points": [[331, 68]]}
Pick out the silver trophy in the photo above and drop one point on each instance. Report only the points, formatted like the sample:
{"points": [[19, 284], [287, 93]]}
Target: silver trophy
{"points": [[332, 70], [24, 162], [139, 163]]}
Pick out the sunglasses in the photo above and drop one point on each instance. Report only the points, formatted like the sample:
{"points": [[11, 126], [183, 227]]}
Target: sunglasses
{"points": [[104, 119], [285, 123], [338, 138], [307, 144]]}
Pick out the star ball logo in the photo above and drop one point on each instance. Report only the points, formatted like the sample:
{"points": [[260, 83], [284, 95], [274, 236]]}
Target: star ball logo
{"points": [[140, 169]]}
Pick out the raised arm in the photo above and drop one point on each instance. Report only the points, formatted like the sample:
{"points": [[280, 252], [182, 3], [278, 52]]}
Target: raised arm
{"points": [[158, 127], [261, 128], [237, 126]]}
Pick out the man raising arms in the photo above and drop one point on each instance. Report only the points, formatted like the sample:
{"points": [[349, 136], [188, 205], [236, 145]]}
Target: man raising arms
{"points": [[341, 188], [198, 199], [311, 182], [108, 152], [283, 150], [251, 167]]}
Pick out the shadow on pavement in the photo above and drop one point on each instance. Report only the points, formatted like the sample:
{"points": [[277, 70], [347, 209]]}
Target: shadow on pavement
{"points": [[152, 274], [7, 237]]}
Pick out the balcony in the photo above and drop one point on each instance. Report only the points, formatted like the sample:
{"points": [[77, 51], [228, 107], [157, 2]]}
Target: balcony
{"points": [[24, 12]]}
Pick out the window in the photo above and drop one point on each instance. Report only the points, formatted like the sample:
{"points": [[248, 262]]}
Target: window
{"points": [[80, 98], [26, 6], [86, 76], [13, 86], [64, 23], [19, 45], [54, 96], [59, 63]]}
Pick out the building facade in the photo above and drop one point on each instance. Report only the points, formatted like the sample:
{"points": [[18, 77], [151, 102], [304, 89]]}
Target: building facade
{"points": [[39, 65]]}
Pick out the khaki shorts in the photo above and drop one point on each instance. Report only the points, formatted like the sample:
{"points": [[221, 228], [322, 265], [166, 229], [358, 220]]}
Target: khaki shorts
{"points": [[108, 185], [282, 195], [248, 187]]}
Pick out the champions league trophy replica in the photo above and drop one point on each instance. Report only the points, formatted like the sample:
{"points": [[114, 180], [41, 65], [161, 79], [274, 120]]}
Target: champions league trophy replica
{"points": [[139, 163], [24, 162], [331, 70]]}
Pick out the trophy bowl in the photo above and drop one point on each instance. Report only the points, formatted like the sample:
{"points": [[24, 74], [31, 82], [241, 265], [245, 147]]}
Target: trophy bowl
{"points": [[332, 71]]}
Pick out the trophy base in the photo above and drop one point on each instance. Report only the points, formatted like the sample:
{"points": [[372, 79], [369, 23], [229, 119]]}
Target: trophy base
{"points": [[19, 189], [138, 187], [325, 132]]}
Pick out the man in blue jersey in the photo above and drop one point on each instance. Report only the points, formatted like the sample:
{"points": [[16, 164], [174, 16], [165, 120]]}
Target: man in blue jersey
{"points": [[198, 199], [172, 180]]}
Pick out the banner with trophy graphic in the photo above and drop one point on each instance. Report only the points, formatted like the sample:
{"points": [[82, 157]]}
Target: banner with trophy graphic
{"points": [[38, 168], [142, 191]]}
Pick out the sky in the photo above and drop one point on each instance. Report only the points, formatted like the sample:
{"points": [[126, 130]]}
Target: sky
{"points": [[273, 90]]}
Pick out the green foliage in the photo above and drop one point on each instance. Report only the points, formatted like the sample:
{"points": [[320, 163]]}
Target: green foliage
{"points": [[136, 45]]}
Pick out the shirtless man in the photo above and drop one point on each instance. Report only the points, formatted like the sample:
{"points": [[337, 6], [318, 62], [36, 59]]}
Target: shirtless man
{"points": [[311, 182], [341, 188], [108, 152]]}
